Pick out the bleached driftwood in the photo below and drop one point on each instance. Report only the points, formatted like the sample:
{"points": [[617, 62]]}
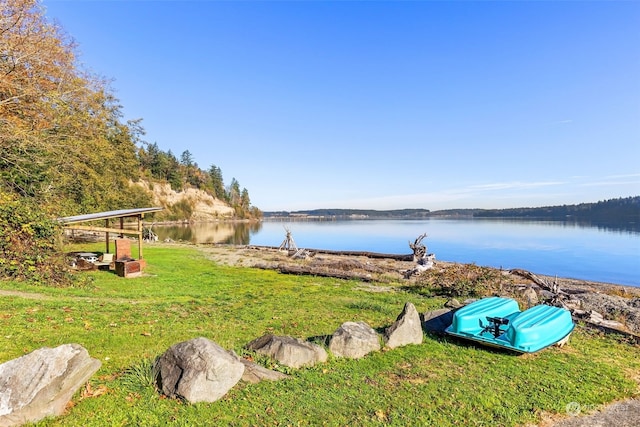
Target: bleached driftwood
{"points": [[418, 248], [423, 260]]}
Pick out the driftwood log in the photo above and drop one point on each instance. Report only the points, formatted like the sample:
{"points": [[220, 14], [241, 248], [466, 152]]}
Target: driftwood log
{"points": [[321, 272], [377, 255], [348, 269], [423, 260], [419, 249]]}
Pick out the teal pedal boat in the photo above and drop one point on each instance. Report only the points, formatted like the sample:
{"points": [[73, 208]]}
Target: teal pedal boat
{"points": [[498, 322]]}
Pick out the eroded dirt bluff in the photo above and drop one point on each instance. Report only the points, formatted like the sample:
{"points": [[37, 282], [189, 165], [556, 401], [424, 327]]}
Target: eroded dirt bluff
{"points": [[204, 207]]}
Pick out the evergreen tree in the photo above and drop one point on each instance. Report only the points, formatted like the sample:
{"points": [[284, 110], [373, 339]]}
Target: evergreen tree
{"points": [[233, 193], [186, 159], [217, 184], [244, 200]]}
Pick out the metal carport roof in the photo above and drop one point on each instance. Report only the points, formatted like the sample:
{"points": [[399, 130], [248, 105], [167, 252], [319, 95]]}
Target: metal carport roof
{"points": [[122, 213]]}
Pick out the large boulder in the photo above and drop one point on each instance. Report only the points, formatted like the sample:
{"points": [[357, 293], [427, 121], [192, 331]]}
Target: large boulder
{"points": [[289, 351], [436, 321], [354, 340], [407, 329], [198, 370], [40, 384]]}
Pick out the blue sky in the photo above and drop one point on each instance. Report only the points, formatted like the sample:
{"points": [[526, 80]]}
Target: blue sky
{"points": [[381, 104]]}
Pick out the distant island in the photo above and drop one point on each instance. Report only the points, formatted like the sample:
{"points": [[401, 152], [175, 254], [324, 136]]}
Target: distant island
{"points": [[621, 213]]}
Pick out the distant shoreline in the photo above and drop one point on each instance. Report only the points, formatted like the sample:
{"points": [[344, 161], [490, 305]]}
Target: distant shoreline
{"points": [[621, 213], [631, 227]]}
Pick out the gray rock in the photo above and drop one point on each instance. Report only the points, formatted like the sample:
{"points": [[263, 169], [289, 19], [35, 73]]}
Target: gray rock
{"points": [[354, 340], [453, 303], [436, 321], [254, 373], [530, 296], [292, 352], [407, 329], [198, 370], [41, 383]]}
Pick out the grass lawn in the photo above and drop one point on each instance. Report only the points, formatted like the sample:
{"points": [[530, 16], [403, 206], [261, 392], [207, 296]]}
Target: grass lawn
{"points": [[126, 323]]}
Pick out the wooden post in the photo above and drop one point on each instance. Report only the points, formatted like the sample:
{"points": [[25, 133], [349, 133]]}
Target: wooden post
{"points": [[106, 225], [140, 236]]}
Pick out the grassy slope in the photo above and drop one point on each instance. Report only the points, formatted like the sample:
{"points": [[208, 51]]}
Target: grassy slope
{"points": [[127, 322]]}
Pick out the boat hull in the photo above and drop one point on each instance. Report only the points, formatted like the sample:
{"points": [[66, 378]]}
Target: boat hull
{"points": [[498, 322]]}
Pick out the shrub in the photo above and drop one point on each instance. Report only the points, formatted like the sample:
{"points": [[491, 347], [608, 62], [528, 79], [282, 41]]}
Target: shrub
{"points": [[460, 280], [30, 243]]}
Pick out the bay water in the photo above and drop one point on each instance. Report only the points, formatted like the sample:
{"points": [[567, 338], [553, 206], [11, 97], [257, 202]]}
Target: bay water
{"points": [[563, 249]]}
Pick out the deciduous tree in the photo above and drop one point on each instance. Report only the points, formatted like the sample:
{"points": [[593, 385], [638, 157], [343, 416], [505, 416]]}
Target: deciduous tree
{"points": [[62, 139]]}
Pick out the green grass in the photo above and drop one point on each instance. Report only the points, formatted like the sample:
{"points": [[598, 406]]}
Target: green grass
{"points": [[126, 323]]}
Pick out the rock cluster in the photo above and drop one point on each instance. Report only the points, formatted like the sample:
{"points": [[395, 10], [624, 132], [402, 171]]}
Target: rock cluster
{"points": [[199, 370], [41, 383]]}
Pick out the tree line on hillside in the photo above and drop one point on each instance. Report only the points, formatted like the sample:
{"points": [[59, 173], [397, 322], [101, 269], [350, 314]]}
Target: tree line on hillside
{"points": [[65, 148], [613, 210], [160, 165]]}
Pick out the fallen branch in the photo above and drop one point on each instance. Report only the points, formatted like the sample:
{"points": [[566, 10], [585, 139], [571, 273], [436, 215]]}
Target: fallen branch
{"points": [[554, 288]]}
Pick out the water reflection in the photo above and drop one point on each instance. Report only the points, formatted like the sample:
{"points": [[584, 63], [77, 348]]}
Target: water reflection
{"points": [[235, 233], [630, 227], [563, 248]]}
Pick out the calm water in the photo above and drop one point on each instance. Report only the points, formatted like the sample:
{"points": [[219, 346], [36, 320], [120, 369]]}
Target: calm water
{"points": [[543, 247]]}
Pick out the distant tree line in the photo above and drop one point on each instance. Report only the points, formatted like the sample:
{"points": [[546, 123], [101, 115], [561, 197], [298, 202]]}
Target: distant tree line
{"points": [[621, 213], [353, 213], [614, 210]]}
